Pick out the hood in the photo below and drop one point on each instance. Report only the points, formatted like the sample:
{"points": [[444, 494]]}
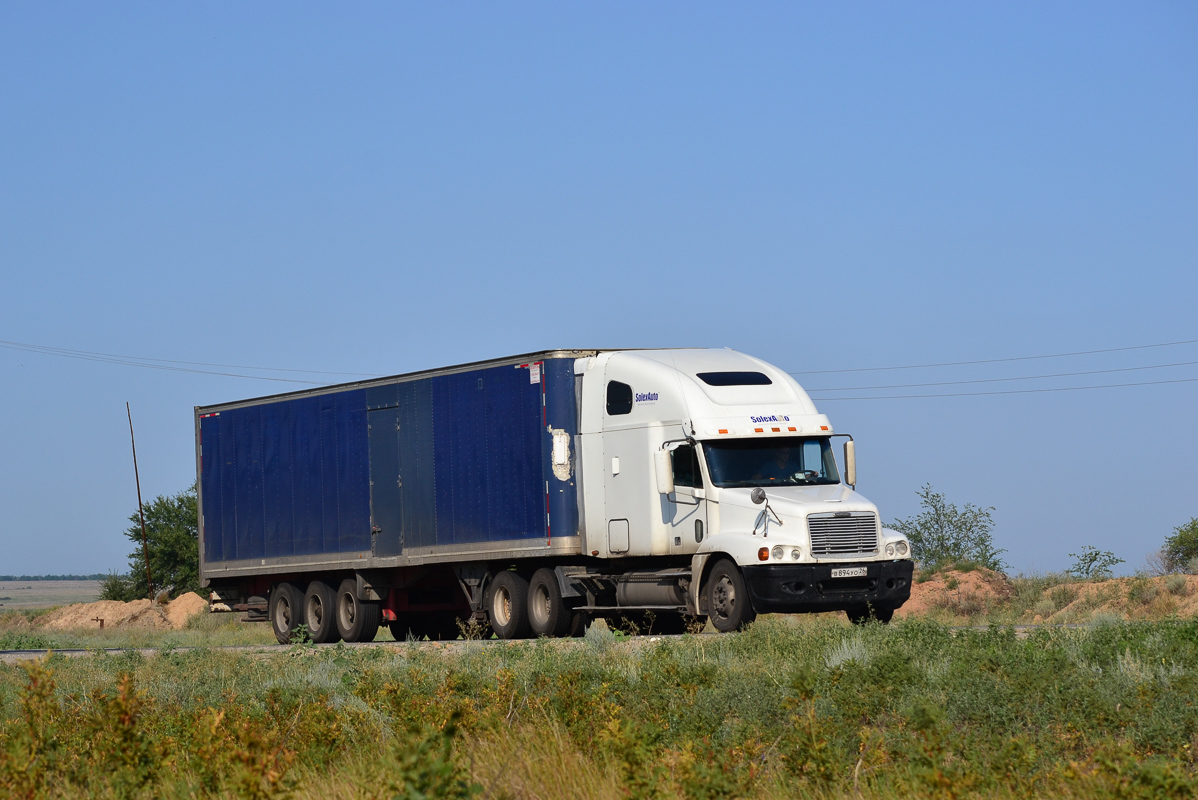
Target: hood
{"points": [[799, 501]]}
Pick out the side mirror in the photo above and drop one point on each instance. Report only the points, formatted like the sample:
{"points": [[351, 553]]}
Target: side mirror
{"points": [[758, 495], [850, 463], [665, 471]]}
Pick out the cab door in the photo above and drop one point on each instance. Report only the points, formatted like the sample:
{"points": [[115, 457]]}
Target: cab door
{"points": [[687, 506]]}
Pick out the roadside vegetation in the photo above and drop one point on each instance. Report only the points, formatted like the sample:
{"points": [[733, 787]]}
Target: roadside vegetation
{"points": [[804, 707], [174, 557]]}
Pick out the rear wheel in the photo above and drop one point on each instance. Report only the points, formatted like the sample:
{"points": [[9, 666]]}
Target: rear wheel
{"points": [[548, 612], [859, 615], [728, 598], [286, 609], [507, 605], [320, 613], [357, 620]]}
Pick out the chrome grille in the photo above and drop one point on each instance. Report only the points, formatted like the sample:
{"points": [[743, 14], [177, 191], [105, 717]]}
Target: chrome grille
{"points": [[835, 535]]}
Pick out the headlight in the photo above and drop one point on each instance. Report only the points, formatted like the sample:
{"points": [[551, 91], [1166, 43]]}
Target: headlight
{"points": [[901, 547], [796, 554], [890, 550], [778, 551]]}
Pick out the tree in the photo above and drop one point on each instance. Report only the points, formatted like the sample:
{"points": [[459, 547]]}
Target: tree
{"points": [[1182, 547], [943, 535], [1093, 564], [173, 538]]}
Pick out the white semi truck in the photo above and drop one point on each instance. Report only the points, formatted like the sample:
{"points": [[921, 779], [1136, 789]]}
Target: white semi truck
{"points": [[539, 492]]}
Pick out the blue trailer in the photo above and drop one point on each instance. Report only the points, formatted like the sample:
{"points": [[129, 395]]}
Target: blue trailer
{"points": [[421, 500]]}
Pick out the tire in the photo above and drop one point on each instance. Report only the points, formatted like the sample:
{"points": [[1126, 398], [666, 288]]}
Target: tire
{"points": [[728, 601], [860, 615], [357, 620], [548, 612], [507, 605], [320, 612], [286, 610]]}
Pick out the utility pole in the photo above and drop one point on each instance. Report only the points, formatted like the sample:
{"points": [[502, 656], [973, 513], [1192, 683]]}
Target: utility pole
{"points": [[145, 545]]}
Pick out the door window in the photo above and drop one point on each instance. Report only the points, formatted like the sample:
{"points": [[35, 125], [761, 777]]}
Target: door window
{"points": [[686, 467]]}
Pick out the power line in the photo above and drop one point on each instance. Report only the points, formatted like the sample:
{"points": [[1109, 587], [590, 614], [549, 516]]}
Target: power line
{"points": [[64, 351], [1003, 380], [1012, 391], [144, 365], [997, 360]]}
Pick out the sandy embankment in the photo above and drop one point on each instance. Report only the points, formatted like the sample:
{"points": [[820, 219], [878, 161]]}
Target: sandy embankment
{"points": [[137, 614]]}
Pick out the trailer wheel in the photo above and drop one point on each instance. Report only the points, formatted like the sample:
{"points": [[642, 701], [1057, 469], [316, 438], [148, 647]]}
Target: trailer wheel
{"points": [[320, 612], [357, 620], [507, 605], [859, 615], [548, 612], [728, 598], [286, 609]]}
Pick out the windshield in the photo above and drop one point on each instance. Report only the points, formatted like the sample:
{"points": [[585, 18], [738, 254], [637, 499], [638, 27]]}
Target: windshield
{"points": [[777, 461]]}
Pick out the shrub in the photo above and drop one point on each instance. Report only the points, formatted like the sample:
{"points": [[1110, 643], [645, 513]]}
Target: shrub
{"points": [[1142, 591], [1093, 564], [1182, 546], [1062, 596], [1178, 585], [942, 535]]}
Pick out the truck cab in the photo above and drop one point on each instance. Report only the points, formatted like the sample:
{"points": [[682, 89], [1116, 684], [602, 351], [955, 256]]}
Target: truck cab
{"points": [[723, 458]]}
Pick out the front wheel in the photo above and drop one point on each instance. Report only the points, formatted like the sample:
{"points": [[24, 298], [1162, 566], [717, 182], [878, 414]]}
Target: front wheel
{"points": [[728, 598]]}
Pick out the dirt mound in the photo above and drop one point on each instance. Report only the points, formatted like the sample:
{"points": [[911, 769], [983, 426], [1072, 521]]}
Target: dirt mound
{"points": [[1128, 598], [135, 614], [965, 593], [183, 608]]}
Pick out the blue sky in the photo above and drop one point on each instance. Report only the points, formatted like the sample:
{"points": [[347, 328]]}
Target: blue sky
{"points": [[398, 187]]}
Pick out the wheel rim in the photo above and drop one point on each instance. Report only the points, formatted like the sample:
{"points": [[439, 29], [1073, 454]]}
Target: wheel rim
{"points": [[347, 611], [539, 607], [284, 614], [723, 597], [316, 613], [502, 606]]}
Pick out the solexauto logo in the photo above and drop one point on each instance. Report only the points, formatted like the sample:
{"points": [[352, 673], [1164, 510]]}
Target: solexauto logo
{"points": [[646, 397], [771, 418]]}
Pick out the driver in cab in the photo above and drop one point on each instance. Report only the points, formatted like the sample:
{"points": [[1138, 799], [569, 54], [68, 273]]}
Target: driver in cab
{"points": [[781, 467]]}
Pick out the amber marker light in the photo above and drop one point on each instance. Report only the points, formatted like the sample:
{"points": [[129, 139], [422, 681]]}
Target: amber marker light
{"points": [[763, 554]]}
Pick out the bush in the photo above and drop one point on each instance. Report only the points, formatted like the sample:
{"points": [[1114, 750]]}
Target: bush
{"points": [[1182, 547], [1093, 564], [943, 535], [1178, 585]]}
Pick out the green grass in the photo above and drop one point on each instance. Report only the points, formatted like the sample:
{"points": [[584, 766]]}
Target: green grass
{"points": [[782, 710]]}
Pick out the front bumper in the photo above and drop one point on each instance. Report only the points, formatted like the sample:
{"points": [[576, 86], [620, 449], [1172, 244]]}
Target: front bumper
{"points": [[798, 588]]}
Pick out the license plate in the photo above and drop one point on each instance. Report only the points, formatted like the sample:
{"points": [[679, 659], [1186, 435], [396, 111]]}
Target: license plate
{"points": [[849, 572]]}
